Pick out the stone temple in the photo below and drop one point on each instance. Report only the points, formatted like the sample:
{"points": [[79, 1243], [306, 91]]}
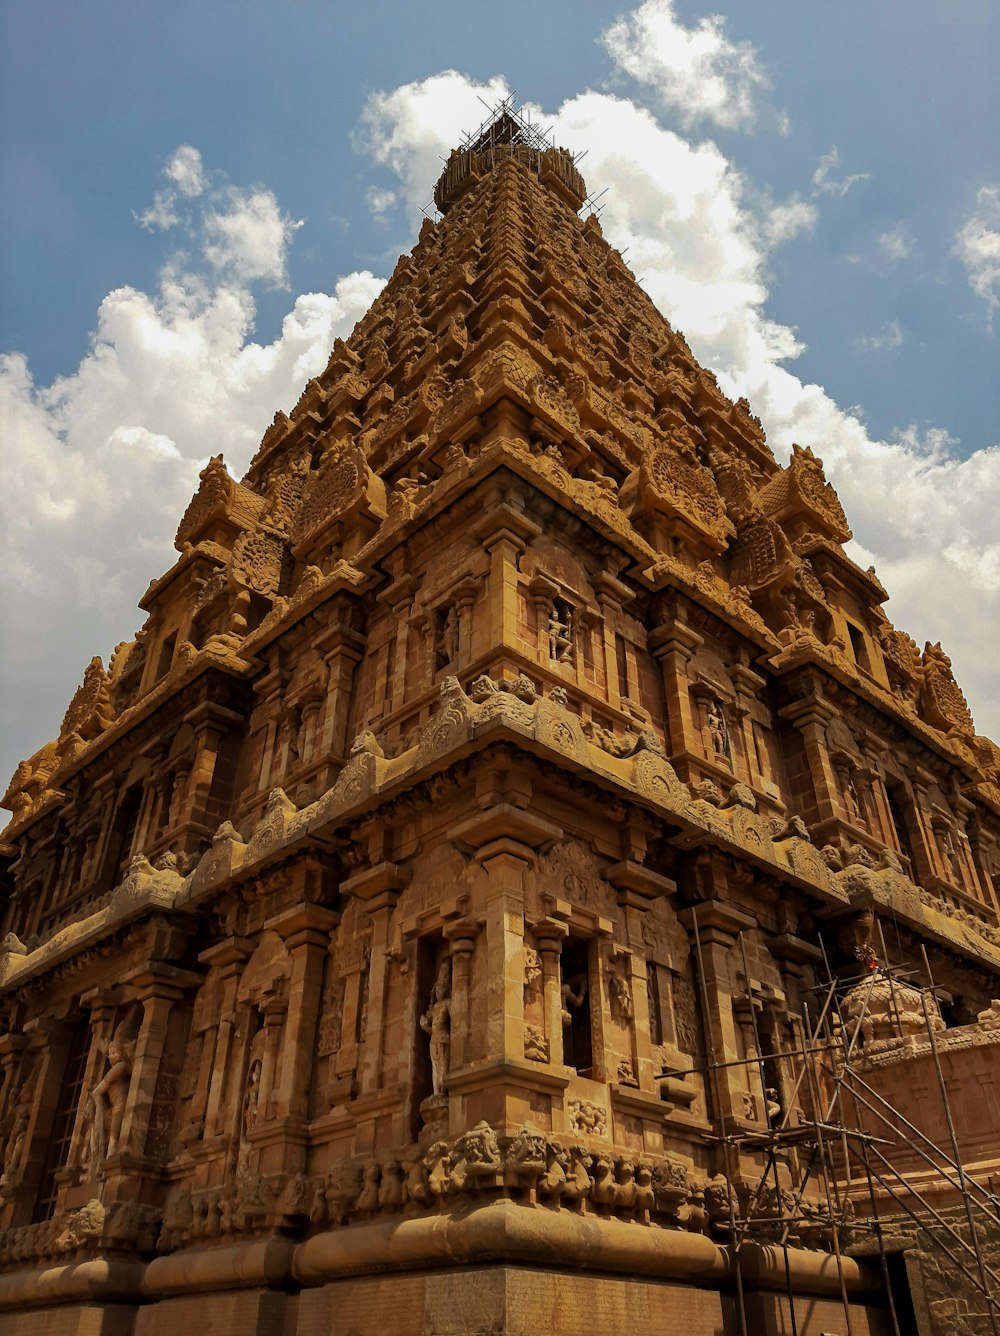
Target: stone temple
{"points": [[517, 880]]}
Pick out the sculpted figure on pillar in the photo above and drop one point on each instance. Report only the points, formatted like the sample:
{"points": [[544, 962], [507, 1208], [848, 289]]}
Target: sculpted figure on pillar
{"points": [[17, 1131], [717, 729], [446, 648], [108, 1097], [560, 634], [436, 1022]]}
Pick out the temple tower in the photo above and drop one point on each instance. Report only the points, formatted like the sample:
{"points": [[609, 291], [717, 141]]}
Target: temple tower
{"points": [[416, 927]]}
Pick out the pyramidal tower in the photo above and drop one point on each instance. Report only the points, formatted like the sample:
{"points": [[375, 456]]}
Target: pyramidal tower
{"points": [[513, 839]]}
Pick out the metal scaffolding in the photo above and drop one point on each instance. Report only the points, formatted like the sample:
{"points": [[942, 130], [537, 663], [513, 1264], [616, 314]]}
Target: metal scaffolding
{"points": [[829, 1146]]}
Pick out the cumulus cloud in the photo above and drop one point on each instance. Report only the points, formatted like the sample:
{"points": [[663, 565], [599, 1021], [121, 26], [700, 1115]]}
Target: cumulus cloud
{"points": [[101, 463], [889, 337], [380, 202], [896, 244], [186, 170], [698, 73], [978, 247], [241, 232], [248, 237], [824, 180], [700, 237]]}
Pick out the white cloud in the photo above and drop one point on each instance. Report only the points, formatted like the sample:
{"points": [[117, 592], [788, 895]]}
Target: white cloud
{"points": [[242, 232], [102, 462], [380, 202], [699, 236], [896, 244], [826, 183], [698, 73], [184, 167], [248, 236], [889, 337], [186, 174], [977, 245], [161, 214]]}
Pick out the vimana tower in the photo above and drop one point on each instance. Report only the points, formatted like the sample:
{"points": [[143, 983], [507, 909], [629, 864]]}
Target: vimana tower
{"points": [[517, 880]]}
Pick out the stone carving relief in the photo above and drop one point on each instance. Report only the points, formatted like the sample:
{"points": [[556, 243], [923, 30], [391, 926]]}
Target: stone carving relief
{"points": [[569, 871], [560, 632], [436, 1024], [446, 636], [587, 1118], [15, 1131], [106, 1102], [942, 702]]}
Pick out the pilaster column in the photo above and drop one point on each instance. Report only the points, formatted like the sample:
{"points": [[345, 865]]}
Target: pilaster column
{"points": [[156, 989], [715, 925], [748, 685], [379, 887], [101, 1003], [229, 957], [306, 932], [461, 933], [505, 838], [925, 851], [274, 1010], [810, 717], [504, 534], [549, 934], [637, 887], [50, 1039], [269, 689], [342, 648], [673, 645]]}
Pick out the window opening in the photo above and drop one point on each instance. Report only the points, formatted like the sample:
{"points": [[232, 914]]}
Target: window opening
{"points": [[58, 1143], [578, 1043]]}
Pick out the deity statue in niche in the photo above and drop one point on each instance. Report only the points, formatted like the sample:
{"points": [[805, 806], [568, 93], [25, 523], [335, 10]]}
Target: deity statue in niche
{"points": [[446, 637], [108, 1098], [946, 838], [561, 632], [718, 731], [13, 1151], [436, 1023], [572, 997], [252, 1097], [851, 800]]}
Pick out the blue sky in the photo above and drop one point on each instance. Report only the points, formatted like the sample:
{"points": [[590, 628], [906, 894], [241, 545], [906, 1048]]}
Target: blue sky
{"points": [[728, 147]]}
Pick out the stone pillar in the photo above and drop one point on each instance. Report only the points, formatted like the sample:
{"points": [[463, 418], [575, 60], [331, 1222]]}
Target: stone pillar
{"points": [[229, 957], [811, 716], [269, 689], [305, 930], [274, 1010], [637, 887], [505, 838], [549, 934], [673, 645], [11, 1046], [49, 1040], [211, 722], [748, 686], [925, 853], [102, 1003], [342, 648], [379, 887], [461, 933], [156, 989], [505, 863], [504, 534], [717, 926]]}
